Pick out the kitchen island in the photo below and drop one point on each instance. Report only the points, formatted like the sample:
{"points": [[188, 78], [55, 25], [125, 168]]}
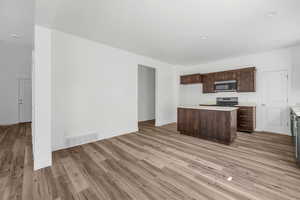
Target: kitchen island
{"points": [[208, 122]]}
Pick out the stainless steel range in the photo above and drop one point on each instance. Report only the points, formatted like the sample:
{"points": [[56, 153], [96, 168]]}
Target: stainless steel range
{"points": [[227, 101]]}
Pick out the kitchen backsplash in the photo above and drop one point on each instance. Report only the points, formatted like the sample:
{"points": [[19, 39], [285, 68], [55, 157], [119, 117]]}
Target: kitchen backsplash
{"points": [[192, 95]]}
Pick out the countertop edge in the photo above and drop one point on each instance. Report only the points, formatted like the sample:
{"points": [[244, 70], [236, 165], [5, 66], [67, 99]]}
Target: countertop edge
{"points": [[217, 108], [250, 106]]}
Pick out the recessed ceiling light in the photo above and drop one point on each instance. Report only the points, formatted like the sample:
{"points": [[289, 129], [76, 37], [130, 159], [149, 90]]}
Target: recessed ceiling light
{"points": [[15, 35], [272, 14], [203, 37]]}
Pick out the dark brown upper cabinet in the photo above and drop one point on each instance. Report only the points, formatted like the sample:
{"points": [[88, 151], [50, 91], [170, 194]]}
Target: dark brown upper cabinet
{"points": [[220, 76], [224, 76], [191, 79], [209, 82], [230, 75], [246, 80]]}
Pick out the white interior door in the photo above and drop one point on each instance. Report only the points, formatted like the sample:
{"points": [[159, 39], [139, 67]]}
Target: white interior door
{"points": [[275, 101], [25, 100]]}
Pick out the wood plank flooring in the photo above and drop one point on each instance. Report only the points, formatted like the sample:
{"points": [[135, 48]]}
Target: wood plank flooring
{"points": [[153, 164]]}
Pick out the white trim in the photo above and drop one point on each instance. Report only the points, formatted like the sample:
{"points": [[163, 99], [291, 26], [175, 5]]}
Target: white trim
{"points": [[43, 162], [165, 123], [10, 124], [156, 98], [41, 97], [100, 137]]}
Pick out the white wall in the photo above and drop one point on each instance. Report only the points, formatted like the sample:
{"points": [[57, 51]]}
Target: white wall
{"points": [[295, 94], [274, 60], [41, 97], [146, 93], [15, 63], [94, 89]]}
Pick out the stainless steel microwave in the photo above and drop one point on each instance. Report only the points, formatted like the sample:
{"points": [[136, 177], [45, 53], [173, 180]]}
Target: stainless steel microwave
{"points": [[225, 86]]}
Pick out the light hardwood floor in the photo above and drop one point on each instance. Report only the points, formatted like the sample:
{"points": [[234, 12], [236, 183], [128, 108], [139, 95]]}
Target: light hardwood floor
{"points": [[156, 163]]}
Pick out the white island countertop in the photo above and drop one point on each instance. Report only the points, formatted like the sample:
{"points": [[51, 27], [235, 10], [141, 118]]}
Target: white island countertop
{"points": [[215, 108], [238, 105]]}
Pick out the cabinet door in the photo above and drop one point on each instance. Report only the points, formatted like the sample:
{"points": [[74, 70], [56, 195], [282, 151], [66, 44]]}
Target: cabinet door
{"points": [[191, 79], [205, 83], [230, 75], [208, 83], [220, 76], [184, 80], [225, 76], [196, 78], [246, 119], [246, 80], [188, 122], [181, 119]]}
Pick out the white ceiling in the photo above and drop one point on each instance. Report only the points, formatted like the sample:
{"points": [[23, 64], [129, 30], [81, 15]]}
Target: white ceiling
{"points": [[17, 17], [173, 30]]}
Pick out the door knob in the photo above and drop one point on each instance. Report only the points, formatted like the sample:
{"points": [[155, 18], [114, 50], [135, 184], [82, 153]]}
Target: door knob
{"points": [[263, 104]]}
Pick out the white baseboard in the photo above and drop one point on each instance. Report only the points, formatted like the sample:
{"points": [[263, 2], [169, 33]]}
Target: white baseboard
{"points": [[41, 163], [280, 133], [118, 133], [164, 123], [11, 123], [74, 142]]}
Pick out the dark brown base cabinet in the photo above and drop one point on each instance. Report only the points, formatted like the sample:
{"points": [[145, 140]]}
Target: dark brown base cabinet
{"points": [[246, 118], [220, 126]]}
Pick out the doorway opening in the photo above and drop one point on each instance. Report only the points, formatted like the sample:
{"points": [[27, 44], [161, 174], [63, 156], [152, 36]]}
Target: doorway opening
{"points": [[25, 100], [146, 95]]}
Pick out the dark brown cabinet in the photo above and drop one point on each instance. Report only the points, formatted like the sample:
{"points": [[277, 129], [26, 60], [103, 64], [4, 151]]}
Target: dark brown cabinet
{"points": [[230, 75], [220, 76], [191, 79], [246, 119], [246, 80], [225, 76], [208, 83], [213, 125]]}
